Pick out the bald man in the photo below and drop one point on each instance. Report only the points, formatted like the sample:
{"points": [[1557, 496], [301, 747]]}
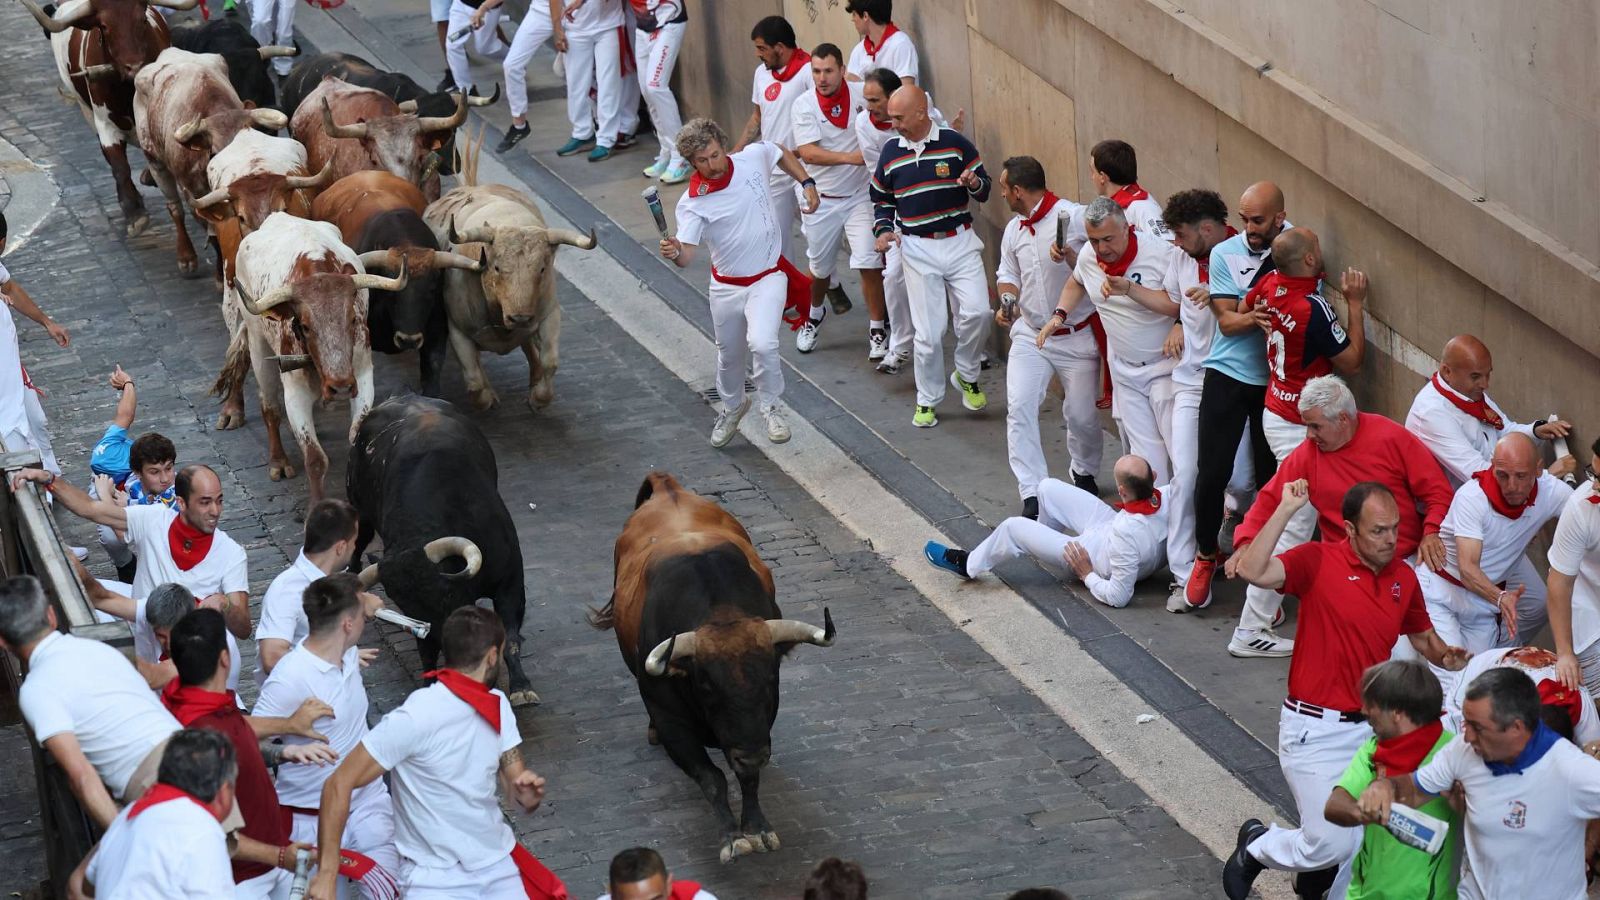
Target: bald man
{"points": [[1455, 417], [923, 183], [1487, 595]]}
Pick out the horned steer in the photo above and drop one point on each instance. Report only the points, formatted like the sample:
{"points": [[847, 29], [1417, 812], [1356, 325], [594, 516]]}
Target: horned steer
{"points": [[424, 479], [693, 609], [359, 129], [303, 295], [512, 302]]}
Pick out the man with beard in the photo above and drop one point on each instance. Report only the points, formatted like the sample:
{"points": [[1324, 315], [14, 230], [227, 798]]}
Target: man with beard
{"points": [[782, 78]]}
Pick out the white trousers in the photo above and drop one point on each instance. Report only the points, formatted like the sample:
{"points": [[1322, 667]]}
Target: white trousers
{"points": [[484, 41], [273, 885], [1062, 508], [272, 22], [496, 881], [1313, 753], [839, 220], [1261, 605], [898, 302], [1143, 397], [532, 34], [745, 323], [1184, 454], [369, 830], [594, 61], [932, 267], [656, 54], [37, 435], [1073, 359], [786, 209]]}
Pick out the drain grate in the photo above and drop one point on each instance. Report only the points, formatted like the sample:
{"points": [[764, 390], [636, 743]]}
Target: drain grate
{"points": [[712, 395]]}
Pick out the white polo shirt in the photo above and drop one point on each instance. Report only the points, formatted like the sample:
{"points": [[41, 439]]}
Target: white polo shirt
{"points": [[897, 54], [596, 16], [1522, 830], [171, 849], [301, 674], [1145, 215], [148, 647], [776, 100], [1575, 551], [443, 758], [1586, 729], [87, 689], [222, 571], [1134, 333], [1199, 323], [1504, 540], [738, 221], [1463, 444], [283, 609], [1134, 546], [1025, 262], [811, 125]]}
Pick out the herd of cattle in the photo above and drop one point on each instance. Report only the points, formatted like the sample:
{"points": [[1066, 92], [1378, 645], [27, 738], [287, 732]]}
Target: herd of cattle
{"points": [[334, 241]]}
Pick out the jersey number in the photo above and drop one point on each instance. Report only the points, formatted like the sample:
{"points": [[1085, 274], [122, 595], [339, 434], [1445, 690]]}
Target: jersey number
{"points": [[1275, 354]]}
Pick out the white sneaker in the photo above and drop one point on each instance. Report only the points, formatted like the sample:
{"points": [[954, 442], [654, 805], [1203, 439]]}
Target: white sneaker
{"points": [[1260, 643], [777, 429], [805, 340], [892, 362], [877, 344], [1178, 601], [728, 423], [676, 174]]}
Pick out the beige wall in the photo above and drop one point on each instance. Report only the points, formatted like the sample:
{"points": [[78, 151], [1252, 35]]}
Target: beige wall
{"points": [[1447, 148]]}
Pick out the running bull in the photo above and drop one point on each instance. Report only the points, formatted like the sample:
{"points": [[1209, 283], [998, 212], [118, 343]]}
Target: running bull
{"points": [[359, 129]]}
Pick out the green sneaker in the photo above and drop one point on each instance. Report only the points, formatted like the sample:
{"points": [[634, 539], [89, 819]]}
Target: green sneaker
{"points": [[971, 397], [924, 417]]}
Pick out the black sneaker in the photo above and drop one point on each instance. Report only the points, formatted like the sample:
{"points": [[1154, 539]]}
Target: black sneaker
{"points": [[447, 83], [1030, 508], [624, 141], [1314, 885], [1241, 869], [839, 299], [1085, 483], [514, 136]]}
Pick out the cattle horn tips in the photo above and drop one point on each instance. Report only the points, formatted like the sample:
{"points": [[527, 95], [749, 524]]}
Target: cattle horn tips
{"points": [[356, 131], [409, 106], [260, 307], [368, 576], [673, 648], [441, 549], [269, 118], [490, 100], [790, 631], [273, 51], [57, 23], [178, 5], [188, 131], [572, 238], [298, 182], [291, 362], [376, 259]]}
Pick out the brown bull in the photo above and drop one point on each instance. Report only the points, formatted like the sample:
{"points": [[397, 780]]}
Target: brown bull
{"points": [[359, 129]]}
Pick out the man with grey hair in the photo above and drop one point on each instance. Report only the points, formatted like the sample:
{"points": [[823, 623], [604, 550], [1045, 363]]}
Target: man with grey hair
{"points": [[1343, 446], [729, 205], [1126, 280], [152, 619]]}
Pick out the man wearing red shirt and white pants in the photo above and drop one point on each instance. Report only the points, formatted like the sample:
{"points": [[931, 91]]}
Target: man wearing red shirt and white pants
{"points": [[730, 205], [1574, 584], [1357, 597]]}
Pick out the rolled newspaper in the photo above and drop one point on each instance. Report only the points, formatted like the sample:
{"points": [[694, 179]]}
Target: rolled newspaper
{"points": [[417, 627], [1417, 829], [1061, 233], [302, 874], [1562, 450], [652, 199]]}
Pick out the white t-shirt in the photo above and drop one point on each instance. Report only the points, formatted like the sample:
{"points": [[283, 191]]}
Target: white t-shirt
{"points": [[442, 758], [301, 674], [738, 221], [1135, 546], [1025, 262], [1521, 830], [148, 647], [776, 100], [172, 849], [595, 16], [811, 126], [1575, 551], [13, 415], [1504, 540], [87, 689], [1145, 215], [1199, 324], [1586, 729], [1463, 444], [896, 53], [222, 571], [283, 609], [1134, 333]]}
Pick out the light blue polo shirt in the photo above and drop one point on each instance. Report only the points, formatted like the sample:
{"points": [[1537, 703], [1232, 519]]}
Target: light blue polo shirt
{"points": [[1233, 267]]}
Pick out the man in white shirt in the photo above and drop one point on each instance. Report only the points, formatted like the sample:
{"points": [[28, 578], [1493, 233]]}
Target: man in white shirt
{"points": [[781, 79], [1529, 794], [1125, 279], [328, 546], [1576, 704], [592, 34], [169, 843], [327, 665], [1029, 279], [1112, 547], [1574, 584], [825, 141], [152, 618], [883, 45], [442, 749], [22, 419], [640, 873], [730, 206], [1114, 169]]}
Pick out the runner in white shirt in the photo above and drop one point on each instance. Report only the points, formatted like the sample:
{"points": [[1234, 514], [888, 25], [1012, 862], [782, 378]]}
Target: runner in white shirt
{"points": [[1029, 280], [327, 547], [1574, 585], [1454, 415], [151, 619], [327, 665], [1540, 665], [1529, 794], [443, 749], [782, 78], [729, 206], [1125, 278], [1478, 600], [1114, 169], [593, 34], [1109, 550], [22, 419], [883, 45], [825, 141]]}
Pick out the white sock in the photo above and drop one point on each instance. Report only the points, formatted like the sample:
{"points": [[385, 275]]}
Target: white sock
{"points": [[818, 312], [877, 325]]}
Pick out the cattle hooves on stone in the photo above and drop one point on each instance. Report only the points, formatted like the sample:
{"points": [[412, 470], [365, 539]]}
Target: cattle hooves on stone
{"points": [[147, 179], [483, 400], [188, 268], [138, 224], [229, 419], [525, 698], [766, 840], [735, 848], [278, 472]]}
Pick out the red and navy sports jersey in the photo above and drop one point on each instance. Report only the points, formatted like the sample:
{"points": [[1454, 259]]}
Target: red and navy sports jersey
{"points": [[1305, 336]]}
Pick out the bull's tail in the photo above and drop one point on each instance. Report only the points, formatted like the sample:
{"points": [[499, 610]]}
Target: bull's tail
{"points": [[604, 618], [235, 366], [655, 481], [466, 160]]}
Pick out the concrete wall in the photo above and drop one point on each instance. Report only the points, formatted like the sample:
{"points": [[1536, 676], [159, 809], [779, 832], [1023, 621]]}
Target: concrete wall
{"points": [[1450, 148]]}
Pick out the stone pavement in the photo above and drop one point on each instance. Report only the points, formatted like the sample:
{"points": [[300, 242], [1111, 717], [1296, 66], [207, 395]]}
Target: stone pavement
{"points": [[904, 746]]}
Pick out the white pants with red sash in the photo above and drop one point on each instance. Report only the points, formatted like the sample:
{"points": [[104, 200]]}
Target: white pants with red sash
{"points": [[369, 830], [745, 321]]}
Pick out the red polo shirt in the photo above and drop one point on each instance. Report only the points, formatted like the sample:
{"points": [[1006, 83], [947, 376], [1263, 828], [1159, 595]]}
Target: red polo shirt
{"points": [[1349, 619], [264, 819]]}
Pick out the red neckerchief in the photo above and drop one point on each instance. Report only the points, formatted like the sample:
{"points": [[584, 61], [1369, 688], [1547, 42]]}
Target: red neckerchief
{"points": [[161, 793], [797, 61], [1402, 755], [1553, 693], [1478, 409], [1205, 264], [881, 126], [1144, 507], [1126, 196], [839, 100], [1595, 499], [1120, 267], [473, 692], [699, 186], [190, 702], [686, 890], [871, 48], [539, 882], [1045, 205], [188, 545], [1491, 489], [1275, 284]]}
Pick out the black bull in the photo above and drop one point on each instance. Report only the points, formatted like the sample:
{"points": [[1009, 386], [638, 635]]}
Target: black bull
{"points": [[247, 71], [420, 470]]}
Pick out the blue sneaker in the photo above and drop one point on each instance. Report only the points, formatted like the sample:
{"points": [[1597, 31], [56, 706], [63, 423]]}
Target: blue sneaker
{"points": [[576, 145], [946, 558], [599, 153]]}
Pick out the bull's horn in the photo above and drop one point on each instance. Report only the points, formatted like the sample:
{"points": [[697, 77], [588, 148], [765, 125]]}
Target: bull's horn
{"points": [[355, 132], [477, 234], [380, 283], [297, 182], [273, 51], [269, 118], [260, 307], [445, 123], [369, 576], [220, 195], [179, 5], [490, 100], [429, 170], [573, 238], [441, 549], [290, 362], [445, 259], [786, 631], [377, 259], [673, 648], [407, 106], [57, 23], [94, 73], [188, 131]]}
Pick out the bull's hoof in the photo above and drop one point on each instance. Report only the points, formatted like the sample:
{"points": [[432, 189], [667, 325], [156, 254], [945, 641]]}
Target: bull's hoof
{"points": [[483, 400], [137, 224], [229, 419], [279, 470], [525, 697], [147, 179], [766, 840], [733, 848], [188, 268]]}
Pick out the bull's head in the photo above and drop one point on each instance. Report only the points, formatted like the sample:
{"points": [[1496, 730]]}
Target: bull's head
{"points": [[410, 308], [438, 574], [254, 197], [212, 133], [518, 265], [401, 143], [131, 38]]}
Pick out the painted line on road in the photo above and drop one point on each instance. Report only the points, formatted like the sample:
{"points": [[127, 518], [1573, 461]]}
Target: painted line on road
{"points": [[33, 195]]}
